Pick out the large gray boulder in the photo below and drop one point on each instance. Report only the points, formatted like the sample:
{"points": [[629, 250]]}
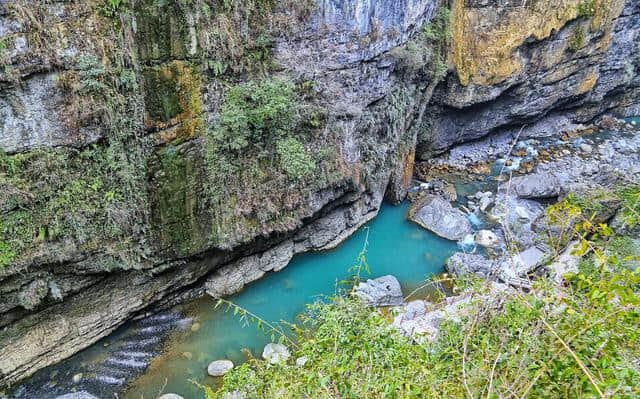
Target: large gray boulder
{"points": [[275, 353], [537, 185], [219, 368], [437, 215], [170, 396], [516, 217], [461, 264], [383, 291]]}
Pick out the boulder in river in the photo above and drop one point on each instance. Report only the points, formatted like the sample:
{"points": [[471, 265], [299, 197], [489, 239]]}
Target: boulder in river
{"points": [[437, 215], [275, 353], [537, 185], [170, 396], [461, 263], [487, 239], [383, 291], [219, 368]]}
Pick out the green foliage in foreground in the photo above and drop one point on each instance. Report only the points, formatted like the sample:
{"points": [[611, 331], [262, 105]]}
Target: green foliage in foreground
{"points": [[581, 341]]}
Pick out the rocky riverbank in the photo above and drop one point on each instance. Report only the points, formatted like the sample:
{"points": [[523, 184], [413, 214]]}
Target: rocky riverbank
{"points": [[518, 237]]}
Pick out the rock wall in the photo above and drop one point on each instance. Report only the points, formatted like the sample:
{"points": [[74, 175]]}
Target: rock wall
{"points": [[515, 63], [116, 194]]}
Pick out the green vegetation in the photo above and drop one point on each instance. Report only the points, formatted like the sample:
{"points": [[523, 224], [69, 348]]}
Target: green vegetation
{"points": [[576, 42], [81, 201], [537, 345], [426, 54], [7, 254], [294, 158], [581, 212], [111, 7], [246, 31], [256, 114], [630, 197], [587, 9]]}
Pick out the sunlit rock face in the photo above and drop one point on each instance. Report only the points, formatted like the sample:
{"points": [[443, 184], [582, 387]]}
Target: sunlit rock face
{"points": [[516, 65]]}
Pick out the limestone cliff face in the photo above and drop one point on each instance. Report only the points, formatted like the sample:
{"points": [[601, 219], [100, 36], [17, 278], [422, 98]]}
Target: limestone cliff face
{"points": [[514, 63], [126, 179], [116, 193]]}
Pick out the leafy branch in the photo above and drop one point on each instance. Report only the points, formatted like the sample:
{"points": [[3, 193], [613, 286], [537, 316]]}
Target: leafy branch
{"points": [[247, 317]]}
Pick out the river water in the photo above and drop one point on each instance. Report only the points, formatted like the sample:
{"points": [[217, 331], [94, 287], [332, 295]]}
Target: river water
{"points": [[167, 352]]}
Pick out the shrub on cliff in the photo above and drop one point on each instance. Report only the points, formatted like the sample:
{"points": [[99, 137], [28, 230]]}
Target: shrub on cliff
{"points": [[255, 114], [294, 158]]}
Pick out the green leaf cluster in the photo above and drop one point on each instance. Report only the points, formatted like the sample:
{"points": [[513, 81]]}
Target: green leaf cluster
{"points": [[295, 160], [515, 351], [256, 114], [587, 9]]}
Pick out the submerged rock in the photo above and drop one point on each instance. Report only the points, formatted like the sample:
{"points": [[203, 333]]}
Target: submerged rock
{"points": [[219, 368], [437, 215], [275, 353], [383, 291]]}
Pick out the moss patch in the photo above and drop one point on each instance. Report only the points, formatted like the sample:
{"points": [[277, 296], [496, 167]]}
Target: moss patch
{"points": [[173, 100], [177, 202]]}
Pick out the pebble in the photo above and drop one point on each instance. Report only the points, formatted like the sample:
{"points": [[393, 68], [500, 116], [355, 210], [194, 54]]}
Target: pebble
{"points": [[301, 361], [219, 368], [586, 148], [275, 353], [77, 378], [195, 327]]}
